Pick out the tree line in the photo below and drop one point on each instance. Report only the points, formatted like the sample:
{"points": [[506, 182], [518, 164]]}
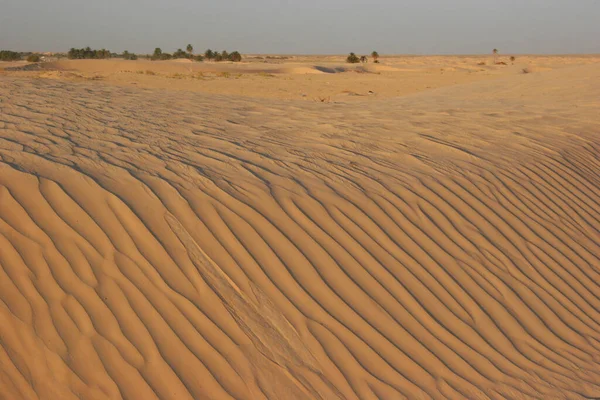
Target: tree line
{"points": [[7, 55], [209, 54], [88, 53]]}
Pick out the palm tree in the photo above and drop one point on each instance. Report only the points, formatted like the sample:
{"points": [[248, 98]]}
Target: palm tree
{"points": [[375, 56], [209, 54], [495, 52], [190, 49]]}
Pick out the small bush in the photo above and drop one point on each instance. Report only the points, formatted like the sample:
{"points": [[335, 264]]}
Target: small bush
{"points": [[352, 58], [33, 58]]}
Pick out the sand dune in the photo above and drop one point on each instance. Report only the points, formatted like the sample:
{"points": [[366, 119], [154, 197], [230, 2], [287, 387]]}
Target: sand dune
{"points": [[310, 78], [159, 244]]}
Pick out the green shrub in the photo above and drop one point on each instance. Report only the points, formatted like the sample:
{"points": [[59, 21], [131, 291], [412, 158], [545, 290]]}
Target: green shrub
{"points": [[7, 55], [33, 58], [129, 56], [352, 58], [180, 54], [235, 56]]}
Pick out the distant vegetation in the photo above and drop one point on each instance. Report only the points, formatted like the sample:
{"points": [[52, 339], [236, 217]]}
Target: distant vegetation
{"points": [[87, 53], [7, 55], [352, 58], [129, 56], [188, 53], [159, 55]]}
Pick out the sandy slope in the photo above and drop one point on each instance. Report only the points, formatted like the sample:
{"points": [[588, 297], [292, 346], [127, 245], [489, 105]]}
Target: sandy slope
{"points": [[177, 245]]}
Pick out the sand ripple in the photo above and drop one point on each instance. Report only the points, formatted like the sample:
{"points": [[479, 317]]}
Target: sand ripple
{"points": [[160, 245]]}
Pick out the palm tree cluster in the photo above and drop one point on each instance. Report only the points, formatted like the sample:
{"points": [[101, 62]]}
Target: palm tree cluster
{"points": [[223, 55], [353, 58], [189, 54], [88, 53]]}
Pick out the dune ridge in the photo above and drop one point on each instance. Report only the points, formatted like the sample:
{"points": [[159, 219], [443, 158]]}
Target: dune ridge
{"points": [[172, 245]]}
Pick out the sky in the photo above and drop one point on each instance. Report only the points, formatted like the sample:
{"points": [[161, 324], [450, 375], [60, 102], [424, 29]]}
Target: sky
{"points": [[304, 26]]}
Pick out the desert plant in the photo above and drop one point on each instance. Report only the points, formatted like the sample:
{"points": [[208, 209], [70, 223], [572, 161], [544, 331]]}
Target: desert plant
{"points": [[199, 58], [190, 50], [129, 56], [375, 56], [495, 53], [512, 59], [33, 58], [209, 54], [159, 55], [235, 56], [180, 54], [352, 58]]}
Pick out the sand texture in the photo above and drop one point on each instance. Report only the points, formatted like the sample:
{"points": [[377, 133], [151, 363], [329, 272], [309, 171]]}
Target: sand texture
{"points": [[162, 243]]}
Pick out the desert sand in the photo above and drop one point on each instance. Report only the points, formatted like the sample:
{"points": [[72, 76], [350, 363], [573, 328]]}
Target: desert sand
{"points": [[426, 228]]}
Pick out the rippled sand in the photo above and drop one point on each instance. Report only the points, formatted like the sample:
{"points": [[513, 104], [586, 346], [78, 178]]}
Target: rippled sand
{"points": [[161, 244]]}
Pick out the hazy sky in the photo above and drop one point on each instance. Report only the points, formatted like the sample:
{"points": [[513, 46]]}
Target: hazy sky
{"points": [[304, 26]]}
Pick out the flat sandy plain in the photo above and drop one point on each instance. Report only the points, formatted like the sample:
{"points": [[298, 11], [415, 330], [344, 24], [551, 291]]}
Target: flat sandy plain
{"points": [[427, 228]]}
